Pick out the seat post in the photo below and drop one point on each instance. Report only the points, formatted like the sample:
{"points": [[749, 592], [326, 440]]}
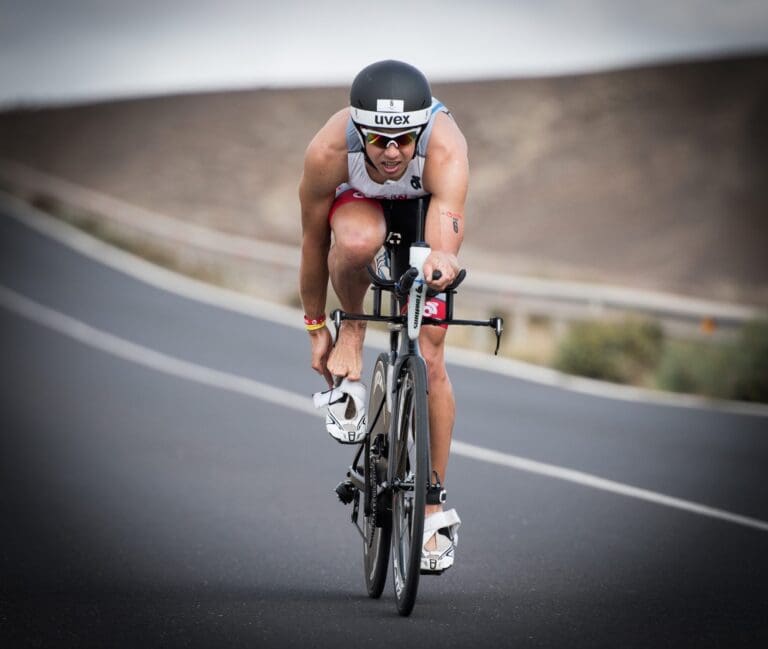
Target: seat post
{"points": [[376, 301]]}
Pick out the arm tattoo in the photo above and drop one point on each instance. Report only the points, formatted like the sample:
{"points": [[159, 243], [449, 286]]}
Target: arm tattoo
{"points": [[454, 218]]}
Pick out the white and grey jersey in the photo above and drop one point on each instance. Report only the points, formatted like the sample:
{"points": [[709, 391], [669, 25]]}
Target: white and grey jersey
{"points": [[409, 185]]}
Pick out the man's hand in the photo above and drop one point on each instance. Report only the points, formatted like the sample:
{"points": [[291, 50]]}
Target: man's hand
{"points": [[346, 359], [446, 263], [322, 343]]}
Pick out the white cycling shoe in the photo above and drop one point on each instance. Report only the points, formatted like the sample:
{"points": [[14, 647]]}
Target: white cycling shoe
{"points": [[345, 418], [443, 527]]}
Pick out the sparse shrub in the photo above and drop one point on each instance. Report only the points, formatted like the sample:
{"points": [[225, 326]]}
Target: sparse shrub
{"points": [[697, 368], [623, 352], [737, 370], [751, 363]]}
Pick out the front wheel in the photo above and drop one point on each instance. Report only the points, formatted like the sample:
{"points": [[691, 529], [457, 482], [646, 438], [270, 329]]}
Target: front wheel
{"points": [[410, 474], [377, 520]]}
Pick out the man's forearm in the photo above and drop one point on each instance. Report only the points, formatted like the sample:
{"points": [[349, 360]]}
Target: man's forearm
{"points": [[313, 278], [444, 230]]}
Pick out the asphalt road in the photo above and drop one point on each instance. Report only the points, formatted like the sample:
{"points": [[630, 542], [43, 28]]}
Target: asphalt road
{"points": [[142, 507]]}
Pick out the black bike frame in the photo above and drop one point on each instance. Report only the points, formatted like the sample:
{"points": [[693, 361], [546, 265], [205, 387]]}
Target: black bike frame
{"points": [[406, 227]]}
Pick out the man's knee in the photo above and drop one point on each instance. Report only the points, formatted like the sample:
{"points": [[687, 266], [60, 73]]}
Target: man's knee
{"points": [[433, 350], [358, 235], [359, 246]]}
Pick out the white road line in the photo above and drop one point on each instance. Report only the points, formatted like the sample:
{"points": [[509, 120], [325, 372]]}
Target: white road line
{"points": [[588, 480], [150, 358], [226, 299], [160, 362]]}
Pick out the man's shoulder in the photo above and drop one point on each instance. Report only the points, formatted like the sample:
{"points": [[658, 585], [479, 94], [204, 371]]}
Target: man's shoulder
{"points": [[446, 140], [325, 160], [447, 164], [332, 135], [330, 142]]}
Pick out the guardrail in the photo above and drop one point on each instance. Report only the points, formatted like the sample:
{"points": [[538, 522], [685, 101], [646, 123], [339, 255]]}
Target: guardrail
{"points": [[522, 297]]}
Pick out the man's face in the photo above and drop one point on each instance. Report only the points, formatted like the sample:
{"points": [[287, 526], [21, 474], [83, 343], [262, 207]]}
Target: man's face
{"points": [[390, 150]]}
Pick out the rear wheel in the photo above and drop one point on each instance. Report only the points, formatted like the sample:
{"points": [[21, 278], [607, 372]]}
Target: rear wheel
{"points": [[410, 473], [377, 518]]}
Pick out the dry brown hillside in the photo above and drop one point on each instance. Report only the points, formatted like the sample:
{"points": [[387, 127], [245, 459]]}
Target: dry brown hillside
{"points": [[651, 177]]}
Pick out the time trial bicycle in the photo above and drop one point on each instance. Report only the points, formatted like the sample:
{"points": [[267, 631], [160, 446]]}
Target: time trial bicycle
{"points": [[391, 474]]}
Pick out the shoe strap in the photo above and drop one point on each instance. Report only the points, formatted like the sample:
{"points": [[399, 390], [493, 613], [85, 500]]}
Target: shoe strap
{"points": [[355, 389], [439, 520]]}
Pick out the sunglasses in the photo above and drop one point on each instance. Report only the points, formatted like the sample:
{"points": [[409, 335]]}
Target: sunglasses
{"points": [[382, 140]]}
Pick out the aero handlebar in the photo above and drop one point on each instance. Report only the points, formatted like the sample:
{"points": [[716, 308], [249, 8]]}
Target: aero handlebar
{"points": [[403, 285]]}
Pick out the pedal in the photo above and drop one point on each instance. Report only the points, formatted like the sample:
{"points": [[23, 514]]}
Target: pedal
{"points": [[345, 490]]}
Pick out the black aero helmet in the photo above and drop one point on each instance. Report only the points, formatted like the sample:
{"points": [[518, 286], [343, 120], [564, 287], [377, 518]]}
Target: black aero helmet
{"points": [[390, 94]]}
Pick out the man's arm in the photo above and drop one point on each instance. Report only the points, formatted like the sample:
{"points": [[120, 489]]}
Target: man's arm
{"points": [[446, 177], [315, 243], [324, 170]]}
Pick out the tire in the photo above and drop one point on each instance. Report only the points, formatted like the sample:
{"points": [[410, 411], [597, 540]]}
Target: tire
{"points": [[409, 456], [377, 518]]}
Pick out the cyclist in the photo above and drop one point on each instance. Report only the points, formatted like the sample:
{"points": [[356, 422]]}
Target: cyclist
{"points": [[394, 141]]}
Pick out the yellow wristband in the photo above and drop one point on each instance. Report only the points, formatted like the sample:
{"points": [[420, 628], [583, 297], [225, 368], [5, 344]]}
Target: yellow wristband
{"points": [[315, 327]]}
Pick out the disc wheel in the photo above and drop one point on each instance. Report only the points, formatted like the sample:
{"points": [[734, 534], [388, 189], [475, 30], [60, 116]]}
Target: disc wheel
{"points": [[377, 519], [410, 470]]}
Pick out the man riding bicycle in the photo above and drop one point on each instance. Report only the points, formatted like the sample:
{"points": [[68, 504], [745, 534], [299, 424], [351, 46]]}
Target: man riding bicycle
{"points": [[394, 142]]}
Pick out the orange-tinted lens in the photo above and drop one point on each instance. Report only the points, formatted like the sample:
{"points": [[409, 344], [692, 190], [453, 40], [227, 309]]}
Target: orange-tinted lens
{"points": [[376, 139], [382, 141]]}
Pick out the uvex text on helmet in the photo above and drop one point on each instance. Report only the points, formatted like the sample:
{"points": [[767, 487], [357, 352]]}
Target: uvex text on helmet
{"points": [[390, 94]]}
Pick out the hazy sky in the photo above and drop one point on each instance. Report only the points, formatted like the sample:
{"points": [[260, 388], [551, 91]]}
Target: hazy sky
{"points": [[81, 49]]}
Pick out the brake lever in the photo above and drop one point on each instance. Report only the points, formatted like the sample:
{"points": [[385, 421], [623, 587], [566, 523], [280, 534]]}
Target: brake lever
{"points": [[337, 316], [498, 325]]}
